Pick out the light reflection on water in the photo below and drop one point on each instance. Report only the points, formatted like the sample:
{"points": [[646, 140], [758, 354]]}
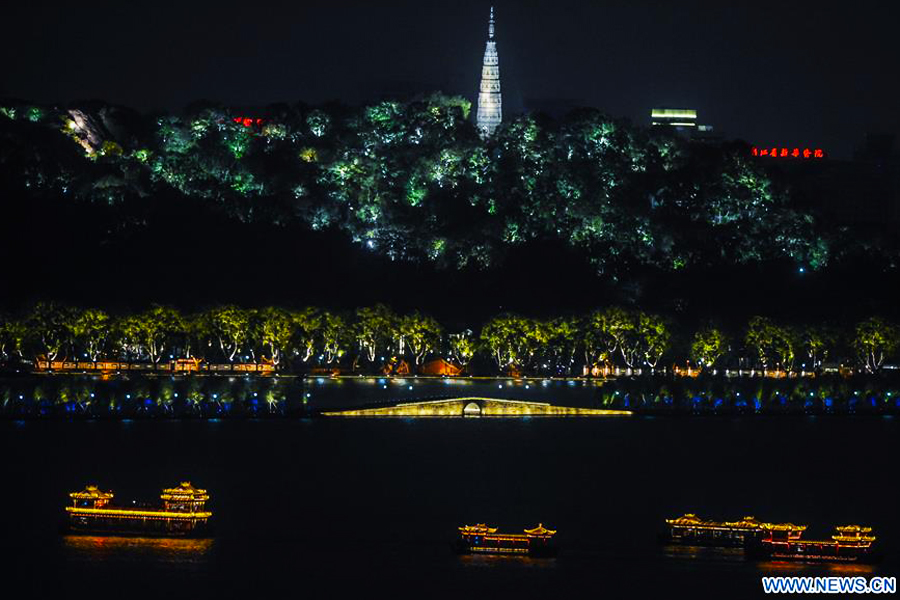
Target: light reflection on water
{"points": [[481, 561], [703, 553], [781, 567], [771, 567], [167, 550]]}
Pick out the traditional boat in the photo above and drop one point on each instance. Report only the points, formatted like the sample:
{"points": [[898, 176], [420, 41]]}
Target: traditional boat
{"points": [[690, 530], [182, 513], [481, 539], [851, 543]]}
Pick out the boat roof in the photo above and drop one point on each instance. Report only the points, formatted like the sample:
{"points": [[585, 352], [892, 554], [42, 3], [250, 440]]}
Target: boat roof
{"points": [[478, 528], [184, 491], [91, 492], [540, 530], [853, 533], [748, 522]]}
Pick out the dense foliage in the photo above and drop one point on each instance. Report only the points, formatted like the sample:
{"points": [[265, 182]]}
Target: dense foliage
{"points": [[415, 181], [372, 338]]}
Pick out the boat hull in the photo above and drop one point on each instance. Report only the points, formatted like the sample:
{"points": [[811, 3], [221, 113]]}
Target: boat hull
{"points": [[703, 541], [811, 553], [541, 551], [137, 527]]}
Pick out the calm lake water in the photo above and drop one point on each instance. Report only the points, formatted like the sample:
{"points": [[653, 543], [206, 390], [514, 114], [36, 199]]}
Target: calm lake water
{"points": [[335, 508]]}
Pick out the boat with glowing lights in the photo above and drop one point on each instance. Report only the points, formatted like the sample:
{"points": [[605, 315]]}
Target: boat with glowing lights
{"points": [[182, 513], [851, 544], [481, 539], [691, 530]]}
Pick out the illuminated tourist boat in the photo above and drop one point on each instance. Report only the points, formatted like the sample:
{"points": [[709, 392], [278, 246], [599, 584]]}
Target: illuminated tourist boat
{"points": [[182, 513], [481, 539], [691, 530], [851, 543]]}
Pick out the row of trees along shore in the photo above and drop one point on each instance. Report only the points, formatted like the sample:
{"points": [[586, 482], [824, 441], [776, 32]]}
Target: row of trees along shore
{"points": [[368, 339]]}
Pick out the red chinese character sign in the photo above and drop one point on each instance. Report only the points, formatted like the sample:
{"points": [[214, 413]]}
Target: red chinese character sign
{"points": [[782, 152]]}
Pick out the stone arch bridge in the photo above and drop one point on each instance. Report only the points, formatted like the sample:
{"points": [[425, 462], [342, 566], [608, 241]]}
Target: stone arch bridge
{"points": [[475, 407]]}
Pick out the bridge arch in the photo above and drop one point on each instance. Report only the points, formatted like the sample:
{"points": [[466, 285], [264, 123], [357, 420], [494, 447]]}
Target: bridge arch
{"points": [[472, 409]]}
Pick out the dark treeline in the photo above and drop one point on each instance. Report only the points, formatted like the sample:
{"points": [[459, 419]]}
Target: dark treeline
{"points": [[415, 181], [373, 338]]}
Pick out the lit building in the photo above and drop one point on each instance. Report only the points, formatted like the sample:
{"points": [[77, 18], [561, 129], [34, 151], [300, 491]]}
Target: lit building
{"points": [[680, 120], [490, 105]]}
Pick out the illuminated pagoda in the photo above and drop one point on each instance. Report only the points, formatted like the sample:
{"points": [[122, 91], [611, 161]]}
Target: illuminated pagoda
{"points": [[183, 513], [490, 104], [184, 498]]}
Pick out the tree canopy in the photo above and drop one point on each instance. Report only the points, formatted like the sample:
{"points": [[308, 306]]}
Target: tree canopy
{"points": [[414, 180]]}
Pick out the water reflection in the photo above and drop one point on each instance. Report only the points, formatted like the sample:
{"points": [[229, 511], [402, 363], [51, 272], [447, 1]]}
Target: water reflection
{"points": [[777, 567], [772, 567], [168, 550], [482, 561], [703, 553]]}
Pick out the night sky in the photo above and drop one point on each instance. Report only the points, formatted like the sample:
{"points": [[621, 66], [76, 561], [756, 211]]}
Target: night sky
{"points": [[773, 73]]}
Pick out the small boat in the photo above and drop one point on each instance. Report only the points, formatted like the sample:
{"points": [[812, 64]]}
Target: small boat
{"points": [[481, 539], [851, 544], [690, 530], [182, 513]]}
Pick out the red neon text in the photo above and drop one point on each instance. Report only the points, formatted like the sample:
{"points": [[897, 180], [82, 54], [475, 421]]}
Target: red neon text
{"points": [[781, 152], [247, 121]]}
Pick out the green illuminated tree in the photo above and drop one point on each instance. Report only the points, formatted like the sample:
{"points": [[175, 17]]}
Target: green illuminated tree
{"points": [[229, 326], [421, 333], [196, 337], [127, 336], [462, 347], [560, 343], [708, 346], [655, 338], [308, 325], [156, 330], [49, 328], [760, 338], [771, 343], [12, 337], [374, 329], [610, 331], [876, 339], [818, 343], [91, 328], [277, 329], [509, 339], [337, 335]]}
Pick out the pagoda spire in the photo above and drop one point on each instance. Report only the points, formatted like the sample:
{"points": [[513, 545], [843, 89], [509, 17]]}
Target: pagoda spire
{"points": [[490, 105]]}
